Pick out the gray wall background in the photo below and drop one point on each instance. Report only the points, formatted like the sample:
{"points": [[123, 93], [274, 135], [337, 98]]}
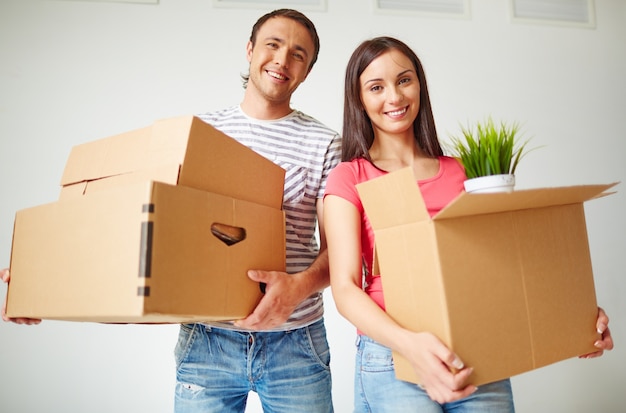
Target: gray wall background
{"points": [[75, 71]]}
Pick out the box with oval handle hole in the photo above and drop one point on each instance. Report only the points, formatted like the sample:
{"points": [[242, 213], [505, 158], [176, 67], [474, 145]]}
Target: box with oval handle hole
{"points": [[157, 225]]}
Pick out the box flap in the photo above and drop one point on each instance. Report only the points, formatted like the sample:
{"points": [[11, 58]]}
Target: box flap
{"points": [[169, 139], [467, 204], [217, 163], [397, 192], [105, 157], [162, 173], [163, 143], [209, 160]]}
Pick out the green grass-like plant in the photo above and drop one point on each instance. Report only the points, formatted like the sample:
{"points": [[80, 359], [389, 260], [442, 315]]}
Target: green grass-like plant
{"points": [[489, 148]]}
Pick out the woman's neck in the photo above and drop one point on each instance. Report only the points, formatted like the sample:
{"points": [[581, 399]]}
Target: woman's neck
{"points": [[398, 153]]}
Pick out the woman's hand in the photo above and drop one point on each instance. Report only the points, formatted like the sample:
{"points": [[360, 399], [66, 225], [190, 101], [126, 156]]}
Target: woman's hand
{"points": [[606, 341], [442, 373]]}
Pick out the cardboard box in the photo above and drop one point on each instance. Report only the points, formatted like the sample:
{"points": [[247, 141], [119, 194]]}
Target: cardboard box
{"points": [[134, 250], [504, 280], [183, 150]]}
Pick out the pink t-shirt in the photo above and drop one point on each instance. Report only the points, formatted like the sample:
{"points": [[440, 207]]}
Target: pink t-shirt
{"points": [[437, 192]]}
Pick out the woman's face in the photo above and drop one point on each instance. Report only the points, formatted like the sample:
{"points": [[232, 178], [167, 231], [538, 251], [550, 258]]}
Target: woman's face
{"points": [[390, 93]]}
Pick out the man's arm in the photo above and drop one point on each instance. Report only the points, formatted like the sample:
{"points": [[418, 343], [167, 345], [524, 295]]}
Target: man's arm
{"points": [[284, 292]]}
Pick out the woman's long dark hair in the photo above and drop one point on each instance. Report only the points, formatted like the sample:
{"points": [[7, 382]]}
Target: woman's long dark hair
{"points": [[358, 133]]}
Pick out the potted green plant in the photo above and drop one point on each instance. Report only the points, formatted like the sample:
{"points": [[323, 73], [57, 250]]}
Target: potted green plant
{"points": [[490, 154]]}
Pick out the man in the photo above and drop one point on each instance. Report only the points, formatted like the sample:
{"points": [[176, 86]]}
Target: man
{"points": [[280, 350]]}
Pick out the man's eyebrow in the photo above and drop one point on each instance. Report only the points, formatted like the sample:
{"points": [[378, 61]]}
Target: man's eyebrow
{"points": [[274, 38], [282, 41], [301, 49]]}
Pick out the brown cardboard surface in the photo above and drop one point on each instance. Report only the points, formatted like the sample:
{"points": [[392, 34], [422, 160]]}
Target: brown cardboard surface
{"points": [[182, 150], [92, 258], [505, 280], [110, 156], [97, 255]]}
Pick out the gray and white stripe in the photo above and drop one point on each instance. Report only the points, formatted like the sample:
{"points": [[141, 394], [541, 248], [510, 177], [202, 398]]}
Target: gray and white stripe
{"points": [[307, 150]]}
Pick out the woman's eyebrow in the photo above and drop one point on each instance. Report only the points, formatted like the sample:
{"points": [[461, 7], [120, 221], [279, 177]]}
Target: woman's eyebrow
{"points": [[398, 75]]}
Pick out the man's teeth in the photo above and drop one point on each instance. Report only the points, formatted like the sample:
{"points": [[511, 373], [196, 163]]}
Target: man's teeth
{"points": [[277, 75]]}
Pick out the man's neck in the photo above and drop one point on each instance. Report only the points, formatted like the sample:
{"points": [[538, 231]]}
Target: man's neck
{"points": [[260, 108]]}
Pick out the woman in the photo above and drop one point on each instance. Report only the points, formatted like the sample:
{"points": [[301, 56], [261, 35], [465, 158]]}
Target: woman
{"points": [[388, 125]]}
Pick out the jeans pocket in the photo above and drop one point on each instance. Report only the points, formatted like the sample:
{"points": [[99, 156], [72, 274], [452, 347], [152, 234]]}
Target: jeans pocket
{"points": [[374, 357], [316, 335], [185, 340]]}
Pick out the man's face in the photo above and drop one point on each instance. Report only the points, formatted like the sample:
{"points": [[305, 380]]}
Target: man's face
{"points": [[280, 59]]}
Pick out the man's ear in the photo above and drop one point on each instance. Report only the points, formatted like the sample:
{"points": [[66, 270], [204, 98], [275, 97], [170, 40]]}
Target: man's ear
{"points": [[307, 74], [249, 47]]}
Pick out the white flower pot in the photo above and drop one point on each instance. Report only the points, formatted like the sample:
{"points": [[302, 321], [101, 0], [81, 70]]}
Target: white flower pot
{"points": [[490, 183]]}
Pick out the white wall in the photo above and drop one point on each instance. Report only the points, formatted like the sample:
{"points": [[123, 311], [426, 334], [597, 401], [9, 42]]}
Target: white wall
{"points": [[74, 71]]}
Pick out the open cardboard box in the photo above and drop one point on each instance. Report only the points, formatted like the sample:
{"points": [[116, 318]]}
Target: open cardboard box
{"points": [[135, 250], [504, 280]]}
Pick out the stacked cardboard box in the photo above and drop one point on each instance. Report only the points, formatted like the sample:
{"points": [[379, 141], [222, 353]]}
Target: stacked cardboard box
{"points": [[138, 234], [504, 280]]}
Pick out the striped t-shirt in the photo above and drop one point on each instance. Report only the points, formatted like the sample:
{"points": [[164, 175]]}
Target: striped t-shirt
{"points": [[307, 150]]}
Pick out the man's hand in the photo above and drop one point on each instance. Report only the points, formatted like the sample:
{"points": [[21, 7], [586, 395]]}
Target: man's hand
{"points": [[283, 293], [6, 277]]}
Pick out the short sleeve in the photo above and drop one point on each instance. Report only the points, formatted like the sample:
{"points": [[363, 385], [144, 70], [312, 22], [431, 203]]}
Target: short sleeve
{"points": [[342, 182]]}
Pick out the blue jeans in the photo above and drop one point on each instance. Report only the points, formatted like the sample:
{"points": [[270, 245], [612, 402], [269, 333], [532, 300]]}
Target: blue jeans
{"points": [[377, 390], [216, 368]]}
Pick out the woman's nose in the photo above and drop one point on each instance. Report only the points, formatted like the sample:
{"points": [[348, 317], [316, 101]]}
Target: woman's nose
{"points": [[395, 95]]}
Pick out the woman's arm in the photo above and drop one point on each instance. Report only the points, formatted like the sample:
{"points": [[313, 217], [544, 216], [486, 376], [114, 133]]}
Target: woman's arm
{"points": [[432, 360]]}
